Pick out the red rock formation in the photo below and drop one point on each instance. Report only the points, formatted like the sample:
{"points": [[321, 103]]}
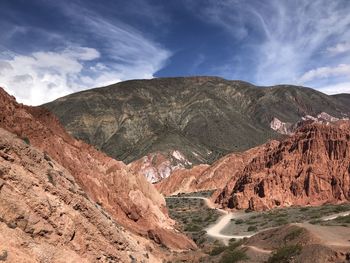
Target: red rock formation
{"points": [[310, 168], [127, 196], [205, 177], [46, 217]]}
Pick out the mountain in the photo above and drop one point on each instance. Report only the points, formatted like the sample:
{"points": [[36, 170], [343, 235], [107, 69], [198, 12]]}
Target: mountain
{"points": [[312, 167], [126, 196], [344, 98], [202, 118]]}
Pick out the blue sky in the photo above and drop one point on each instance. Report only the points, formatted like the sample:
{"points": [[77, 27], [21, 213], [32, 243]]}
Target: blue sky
{"points": [[52, 48]]}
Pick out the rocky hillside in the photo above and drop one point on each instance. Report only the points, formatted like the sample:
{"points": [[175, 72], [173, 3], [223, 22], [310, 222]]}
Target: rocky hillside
{"points": [[203, 118], [209, 177], [45, 216], [311, 167], [127, 197]]}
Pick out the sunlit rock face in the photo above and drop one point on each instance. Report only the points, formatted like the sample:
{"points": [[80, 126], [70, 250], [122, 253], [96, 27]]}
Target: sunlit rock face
{"points": [[310, 168], [157, 166]]}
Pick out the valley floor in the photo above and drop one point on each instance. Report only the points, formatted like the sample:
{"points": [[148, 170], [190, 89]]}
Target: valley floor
{"points": [[329, 225]]}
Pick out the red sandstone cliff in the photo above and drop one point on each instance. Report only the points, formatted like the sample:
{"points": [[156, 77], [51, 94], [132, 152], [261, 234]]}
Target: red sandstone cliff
{"points": [[310, 168], [127, 196]]}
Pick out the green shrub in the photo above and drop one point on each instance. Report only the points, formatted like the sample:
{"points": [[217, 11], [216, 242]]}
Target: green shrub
{"points": [[252, 228], [304, 209], [26, 140], [192, 228], [233, 256], [343, 219], [284, 254], [293, 234], [315, 222], [281, 221], [217, 250], [50, 178], [239, 221]]}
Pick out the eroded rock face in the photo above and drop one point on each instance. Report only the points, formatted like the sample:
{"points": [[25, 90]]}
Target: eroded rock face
{"points": [[288, 128], [310, 168], [45, 216], [159, 165], [125, 195]]}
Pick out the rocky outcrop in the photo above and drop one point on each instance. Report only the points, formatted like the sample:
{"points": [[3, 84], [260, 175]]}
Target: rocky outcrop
{"points": [[157, 166], [204, 118], [288, 128], [45, 216], [205, 177], [310, 168], [126, 196]]}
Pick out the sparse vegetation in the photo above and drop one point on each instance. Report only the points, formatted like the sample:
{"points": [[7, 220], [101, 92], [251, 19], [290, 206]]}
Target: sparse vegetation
{"points": [[232, 256], [192, 215], [283, 216], [284, 254], [50, 178], [252, 228], [26, 140], [292, 235], [217, 250], [3, 255]]}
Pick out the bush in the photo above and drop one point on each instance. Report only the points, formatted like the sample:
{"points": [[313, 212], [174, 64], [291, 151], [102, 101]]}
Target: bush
{"points": [[252, 228], [3, 255], [315, 222], [293, 234], [239, 221], [192, 228], [343, 219], [284, 254], [26, 140], [50, 178], [217, 250], [233, 256], [281, 221]]}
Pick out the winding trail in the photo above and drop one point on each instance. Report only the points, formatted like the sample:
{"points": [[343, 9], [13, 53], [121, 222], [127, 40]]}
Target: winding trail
{"points": [[215, 229], [334, 216]]}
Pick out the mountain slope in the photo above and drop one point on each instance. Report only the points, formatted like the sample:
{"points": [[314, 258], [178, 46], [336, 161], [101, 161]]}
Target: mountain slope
{"points": [[204, 118], [46, 217], [126, 196]]}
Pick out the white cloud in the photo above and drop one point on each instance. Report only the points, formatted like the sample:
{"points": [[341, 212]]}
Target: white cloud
{"points": [[343, 87], [326, 72], [339, 48], [44, 76], [123, 53]]}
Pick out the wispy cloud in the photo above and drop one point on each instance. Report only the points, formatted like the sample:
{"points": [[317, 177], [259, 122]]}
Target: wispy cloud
{"points": [[286, 39], [339, 48], [121, 53], [326, 72]]}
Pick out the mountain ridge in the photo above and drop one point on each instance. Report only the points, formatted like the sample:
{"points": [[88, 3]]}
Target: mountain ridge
{"points": [[204, 118]]}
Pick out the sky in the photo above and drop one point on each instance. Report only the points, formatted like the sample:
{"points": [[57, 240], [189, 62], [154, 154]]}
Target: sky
{"points": [[49, 48]]}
